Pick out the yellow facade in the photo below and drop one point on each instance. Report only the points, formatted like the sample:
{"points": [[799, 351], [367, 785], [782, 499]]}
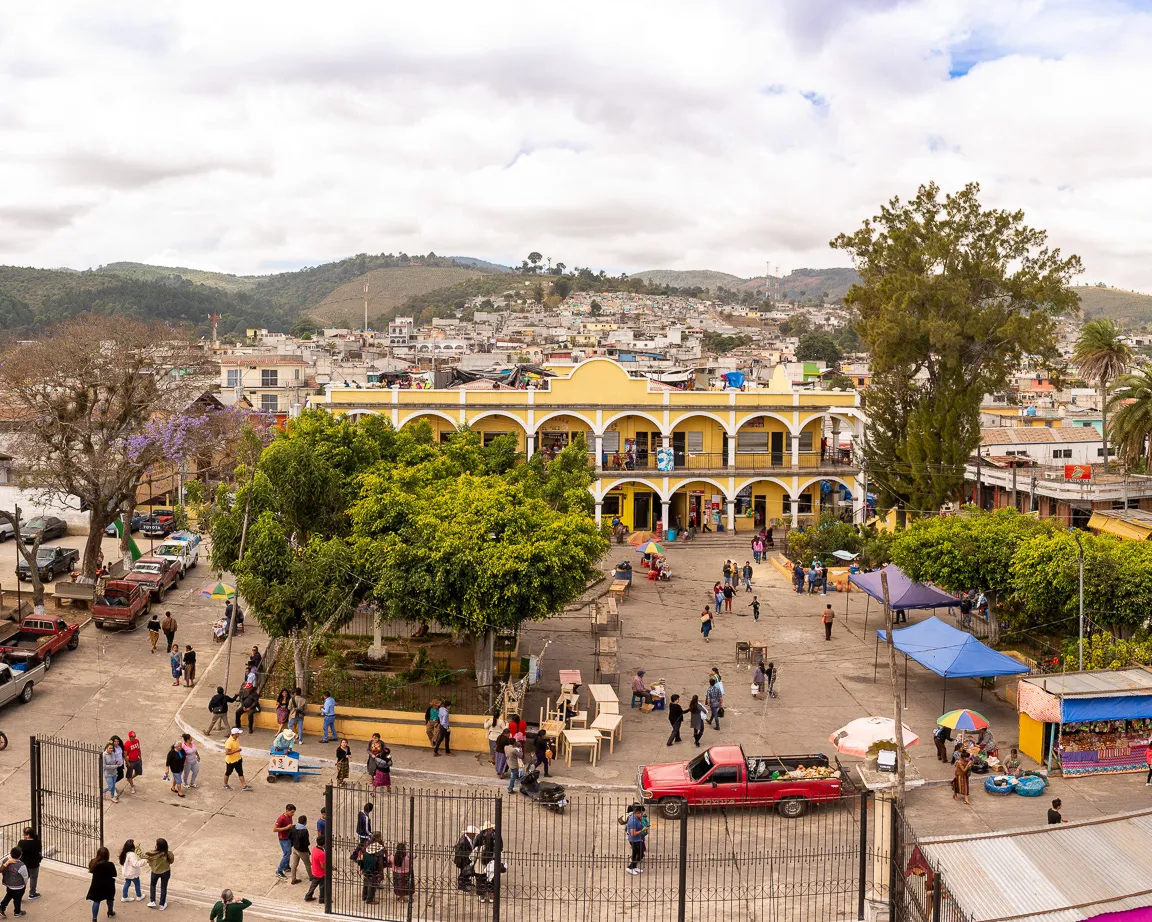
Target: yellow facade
{"points": [[738, 459]]}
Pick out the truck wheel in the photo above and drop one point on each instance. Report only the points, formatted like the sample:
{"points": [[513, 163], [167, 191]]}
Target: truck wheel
{"points": [[673, 808], [26, 694], [51, 576], [47, 661], [183, 573], [74, 642], [793, 807], [3, 536], [3, 742]]}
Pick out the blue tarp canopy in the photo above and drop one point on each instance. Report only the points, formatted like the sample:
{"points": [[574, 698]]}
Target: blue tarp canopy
{"points": [[950, 652], [734, 379], [1112, 707], [902, 592]]}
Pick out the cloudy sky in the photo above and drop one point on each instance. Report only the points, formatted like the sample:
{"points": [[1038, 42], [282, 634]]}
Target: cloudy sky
{"points": [[251, 137]]}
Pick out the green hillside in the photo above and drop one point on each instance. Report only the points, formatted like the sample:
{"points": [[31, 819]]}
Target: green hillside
{"points": [[142, 272], [387, 290], [1128, 308], [689, 278], [798, 285]]}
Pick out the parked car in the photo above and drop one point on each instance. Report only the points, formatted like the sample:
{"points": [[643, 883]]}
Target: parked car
{"points": [[51, 561], [7, 530], [133, 526], [155, 575], [161, 523], [121, 603], [185, 554], [725, 776], [18, 675], [49, 526], [38, 639]]}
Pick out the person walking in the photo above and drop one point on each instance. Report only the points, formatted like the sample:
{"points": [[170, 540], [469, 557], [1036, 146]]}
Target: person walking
{"points": [[328, 716], [1054, 817], [445, 735], [301, 843], [228, 908], [316, 871], [249, 704], [494, 725], [364, 824], [343, 754], [757, 549], [484, 866], [826, 619], [31, 854], [960, 778], [218, 708], [462, 857], [515, 756], [747, 574], [541, 752], [14, 873], [727, 572], [401, 864], [941, 736], [234, 760], [174, 762], [168, 626], [299, 708], [824, 579], [706, 620], [755, 606], [131, 866], [283, 829], [110, 763], [189, 666], [191, 760], [675, 718], [758, 681], [715, 698], [159, 862], [634, 832], [175, 663], [283, 708], [133, 760], [102, 889], [381, 772], [154, 630], [718, 597], [500, 762], [696, 718], [728, 593], [770, 678]]}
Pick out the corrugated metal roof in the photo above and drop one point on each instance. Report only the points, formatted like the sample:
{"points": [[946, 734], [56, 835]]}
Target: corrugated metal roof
{"points": [[1099, 683], [1065, 873]]}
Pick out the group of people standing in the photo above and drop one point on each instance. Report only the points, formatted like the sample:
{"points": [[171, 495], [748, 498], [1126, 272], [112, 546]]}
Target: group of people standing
{"points": [[814, 577], [376, 860], [699, 713], [133, 859], [724, 591], [123, 760], [475, 859], [511, 751]]}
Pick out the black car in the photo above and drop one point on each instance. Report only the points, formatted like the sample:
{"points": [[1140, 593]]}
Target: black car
{"points": [[48, 525], [135, 525]]}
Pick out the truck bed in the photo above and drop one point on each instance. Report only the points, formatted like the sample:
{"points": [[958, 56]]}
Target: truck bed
{"points": [[28, 641]]}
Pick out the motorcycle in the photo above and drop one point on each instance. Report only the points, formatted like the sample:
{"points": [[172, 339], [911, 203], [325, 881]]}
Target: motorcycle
{"points": [[547, 793]]}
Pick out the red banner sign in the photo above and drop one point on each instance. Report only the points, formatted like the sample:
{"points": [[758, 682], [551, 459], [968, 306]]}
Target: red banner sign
{"points": [[1077, 471]]}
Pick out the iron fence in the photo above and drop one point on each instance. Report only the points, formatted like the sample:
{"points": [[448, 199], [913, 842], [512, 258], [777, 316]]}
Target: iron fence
{"points": [[11, 834], [917, 890], [707, 864], [67, 798]]}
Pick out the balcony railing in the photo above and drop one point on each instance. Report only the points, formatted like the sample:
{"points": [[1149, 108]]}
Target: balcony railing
{"points": [[754, 461]]}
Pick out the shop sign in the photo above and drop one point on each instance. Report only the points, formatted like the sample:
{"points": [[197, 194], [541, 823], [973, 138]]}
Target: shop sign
{"points": [[1077, 471]]}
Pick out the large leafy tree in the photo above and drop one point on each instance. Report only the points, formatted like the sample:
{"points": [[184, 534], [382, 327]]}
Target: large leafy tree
{"points": [[1131, 402], [952, 297], [818, 347], [1101, 356]]}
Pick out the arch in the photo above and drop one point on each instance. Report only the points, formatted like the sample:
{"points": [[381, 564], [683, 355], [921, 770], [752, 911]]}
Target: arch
{"points": [[454, 423], [691, 413], [748, 481], [766, 414], [354, 415], [690, 480], [574, 414], [805, 484], [507, 415], [648, 416]]}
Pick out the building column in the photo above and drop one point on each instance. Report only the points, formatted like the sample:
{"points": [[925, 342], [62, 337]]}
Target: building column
{"points": [[834, 443], [599, 512], [859, 503], [796, 451], [665, 441], [731, 459], [731, 517], [795, 502], [599, 441], [530, 445], [666, 515]]}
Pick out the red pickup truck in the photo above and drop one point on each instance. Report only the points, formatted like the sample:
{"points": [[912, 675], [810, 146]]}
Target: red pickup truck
{"points": [[39, 638], [121, 602], [155, 575], [725, 776]]}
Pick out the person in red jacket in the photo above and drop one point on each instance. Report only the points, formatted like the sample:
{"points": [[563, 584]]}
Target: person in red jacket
{"points": [[317, 871], [133, 761]]}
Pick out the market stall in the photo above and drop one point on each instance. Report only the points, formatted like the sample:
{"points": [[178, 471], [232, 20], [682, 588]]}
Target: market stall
{"points": [[1087, 723]]}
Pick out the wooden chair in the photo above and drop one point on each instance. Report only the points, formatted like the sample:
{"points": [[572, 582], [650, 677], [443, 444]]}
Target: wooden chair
{"points": [[579, 718], [743, 652], [609, 707]]}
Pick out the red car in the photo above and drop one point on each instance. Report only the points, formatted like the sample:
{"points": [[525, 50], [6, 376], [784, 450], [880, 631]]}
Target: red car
{"points": [[724, 775]]}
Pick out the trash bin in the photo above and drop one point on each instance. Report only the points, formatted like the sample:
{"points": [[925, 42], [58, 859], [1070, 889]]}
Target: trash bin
{"points": [[623, 571], [671, 534]]}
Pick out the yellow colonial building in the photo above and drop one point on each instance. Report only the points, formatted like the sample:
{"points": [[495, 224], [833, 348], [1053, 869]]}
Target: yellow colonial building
{"points": [[733, 460]]}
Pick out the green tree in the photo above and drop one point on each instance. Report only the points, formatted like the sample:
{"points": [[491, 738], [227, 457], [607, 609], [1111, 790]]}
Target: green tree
{"points": [[1101, 356], [721, 343], [594, 308], [1132, 420], [952, 297], [534, 259], [538, 293], [818, 347], [562, 287], [796, 325]]}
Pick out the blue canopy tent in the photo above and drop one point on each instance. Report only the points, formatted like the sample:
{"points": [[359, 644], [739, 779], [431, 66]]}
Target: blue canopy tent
{"points": [[903, 593], [947, 651]]}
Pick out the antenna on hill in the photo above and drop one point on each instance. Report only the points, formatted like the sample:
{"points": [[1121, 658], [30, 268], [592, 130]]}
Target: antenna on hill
{"points": [[366, 281], [215, 318], [768, 282]]}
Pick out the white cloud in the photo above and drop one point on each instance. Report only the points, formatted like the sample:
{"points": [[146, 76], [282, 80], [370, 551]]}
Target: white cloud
{"points": [[612, 134]]}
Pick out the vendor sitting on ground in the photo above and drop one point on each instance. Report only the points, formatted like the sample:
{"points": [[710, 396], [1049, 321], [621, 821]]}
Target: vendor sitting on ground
{"points": [[284, 740], [640, 689], [1012, 766]]}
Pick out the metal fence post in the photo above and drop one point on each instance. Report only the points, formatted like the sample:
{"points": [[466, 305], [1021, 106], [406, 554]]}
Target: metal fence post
{"points": [[98, 757], [34, 774], [330, 829], [498, 859], [937, 894], [863, 882], [895, 859], [682, 885], [411, 854]]}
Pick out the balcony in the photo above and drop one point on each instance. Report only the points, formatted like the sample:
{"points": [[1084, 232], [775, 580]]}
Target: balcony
{"points": [[749, 462]]}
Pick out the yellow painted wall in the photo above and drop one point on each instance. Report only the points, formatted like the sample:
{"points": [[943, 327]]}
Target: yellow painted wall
{"points": [[396, 728], [500, 424], [1031, 737]]}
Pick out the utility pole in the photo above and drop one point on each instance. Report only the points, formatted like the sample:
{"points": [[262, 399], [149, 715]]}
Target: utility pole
{"points": [[366, 281], [1014, 506], [897, 710], [979, 486], [1080, 547], [239, 557]]}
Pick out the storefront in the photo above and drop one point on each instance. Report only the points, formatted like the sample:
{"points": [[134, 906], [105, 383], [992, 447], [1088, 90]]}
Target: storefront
{"points": [[1087, 723]]}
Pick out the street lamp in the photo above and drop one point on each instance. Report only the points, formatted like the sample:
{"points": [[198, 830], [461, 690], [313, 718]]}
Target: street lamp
{"points": [[1080, 546]]}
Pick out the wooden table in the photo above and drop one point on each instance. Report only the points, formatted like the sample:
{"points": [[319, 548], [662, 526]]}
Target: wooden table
{"points": [[613, 725], [589, 738], [759, 647], [601, 693], [570, 677], [619, 589]]}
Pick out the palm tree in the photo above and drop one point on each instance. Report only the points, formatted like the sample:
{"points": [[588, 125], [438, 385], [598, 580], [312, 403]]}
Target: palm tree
{"points": [[1132, 421], [1101, 356]]}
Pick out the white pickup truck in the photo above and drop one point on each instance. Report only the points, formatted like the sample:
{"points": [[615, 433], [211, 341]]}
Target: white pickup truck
{"points": [[18, 674], [181, 547]]}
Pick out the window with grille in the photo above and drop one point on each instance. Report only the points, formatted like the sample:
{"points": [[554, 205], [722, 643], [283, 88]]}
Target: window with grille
{"points": [[751, 441], [612, 441], [269, 377], [694, 442], [232, 377], [269, 403]]}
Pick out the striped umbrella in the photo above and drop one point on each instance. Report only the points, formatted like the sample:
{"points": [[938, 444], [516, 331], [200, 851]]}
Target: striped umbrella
{"points": [[220, 591], [650, 548], [964, 719]]}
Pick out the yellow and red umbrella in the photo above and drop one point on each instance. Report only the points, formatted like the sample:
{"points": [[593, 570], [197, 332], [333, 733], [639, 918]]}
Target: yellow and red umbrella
{"points": [[963, 719], [220, 592]]}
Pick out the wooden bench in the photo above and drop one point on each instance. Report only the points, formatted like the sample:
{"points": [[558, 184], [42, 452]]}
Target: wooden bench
{"points": [[79, 595]]}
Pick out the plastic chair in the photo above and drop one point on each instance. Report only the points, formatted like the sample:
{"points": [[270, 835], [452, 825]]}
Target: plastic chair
{"points": [[637, 700]]}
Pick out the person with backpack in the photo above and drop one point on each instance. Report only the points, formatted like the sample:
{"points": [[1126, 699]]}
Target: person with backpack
{"points": [[15, 876], [301, 846], [462, 857]]}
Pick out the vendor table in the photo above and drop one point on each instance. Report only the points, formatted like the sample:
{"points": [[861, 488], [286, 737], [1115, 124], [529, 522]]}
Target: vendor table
{"points": [[613, 725], [619, 589], [570, 677], [607, 645], [602, 694], [758, 650], [589, 738]]}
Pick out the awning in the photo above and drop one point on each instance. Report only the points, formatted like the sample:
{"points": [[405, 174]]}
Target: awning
{"points": [[950, 652], [1115, 525], [1122, 707], [902, 592]]}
